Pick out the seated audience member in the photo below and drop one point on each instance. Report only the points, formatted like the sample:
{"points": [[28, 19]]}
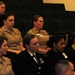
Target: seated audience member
{"points": [[70, 51], [57, 43], [2, 11], [28, 62], [5, 63], [42, 35], [15, 42], [64, 67]]}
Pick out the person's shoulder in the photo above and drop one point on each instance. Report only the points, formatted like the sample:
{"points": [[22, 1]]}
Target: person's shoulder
{"points": [[6, 59], [48, 56], [2, 31], [69, 50], [44, 31], [22, 54], [30, 31], [16, 30], [50, 53], [2, 28]]}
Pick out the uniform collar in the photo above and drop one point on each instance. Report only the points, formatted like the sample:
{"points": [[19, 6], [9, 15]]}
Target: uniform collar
{"points": [[31, 53], [1, 60], [6, 30], [35, 31]]}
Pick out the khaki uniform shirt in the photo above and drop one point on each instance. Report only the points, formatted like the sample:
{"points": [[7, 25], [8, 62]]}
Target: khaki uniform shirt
{"points": [[43, 37], [14, 37], [5, 66]]}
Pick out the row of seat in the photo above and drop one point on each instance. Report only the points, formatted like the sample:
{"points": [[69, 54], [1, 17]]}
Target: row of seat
{"points": [[23, 1], [47, 10], [59, 26], [51, 26], [33, 6], [42, 6], [57, 20], [28, 14]]}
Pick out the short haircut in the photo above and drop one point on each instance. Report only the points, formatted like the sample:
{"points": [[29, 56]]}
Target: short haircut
{"points": [[2, 40], [61, 66], [1, 2]]}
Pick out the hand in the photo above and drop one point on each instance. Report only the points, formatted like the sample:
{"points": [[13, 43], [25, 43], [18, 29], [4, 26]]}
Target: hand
{"points": [[47, 49]]}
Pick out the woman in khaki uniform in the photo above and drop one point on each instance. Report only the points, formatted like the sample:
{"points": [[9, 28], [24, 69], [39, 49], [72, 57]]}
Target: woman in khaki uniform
{"points": [[15, 42], [5, 64], [42, 35]]}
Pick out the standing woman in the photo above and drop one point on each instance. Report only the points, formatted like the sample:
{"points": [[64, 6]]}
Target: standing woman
{"points": [[42, 35], [5, 63], [15, 41], [2, 11]]}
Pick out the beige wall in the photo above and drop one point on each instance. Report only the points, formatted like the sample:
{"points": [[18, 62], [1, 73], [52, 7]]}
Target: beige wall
{"points": [[53, 1], [69, 4]]}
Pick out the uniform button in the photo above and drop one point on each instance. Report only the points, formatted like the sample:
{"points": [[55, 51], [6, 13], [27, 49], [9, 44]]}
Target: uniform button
{"points": [[39, 67], [38, 72]]}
